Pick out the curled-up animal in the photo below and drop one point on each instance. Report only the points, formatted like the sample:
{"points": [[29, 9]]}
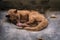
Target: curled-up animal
{"points": [[28, 20]]}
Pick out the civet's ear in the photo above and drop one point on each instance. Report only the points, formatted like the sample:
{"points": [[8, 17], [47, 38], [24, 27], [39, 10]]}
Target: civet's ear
{"points": [[15, 11], [8, 16]]}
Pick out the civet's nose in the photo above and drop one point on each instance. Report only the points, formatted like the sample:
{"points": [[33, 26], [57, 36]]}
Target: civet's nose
{"points": [[8, 16]]}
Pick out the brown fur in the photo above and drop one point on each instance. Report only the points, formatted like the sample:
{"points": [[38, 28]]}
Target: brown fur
{"points": [[42, 21], [33, 15], [12, 15]]}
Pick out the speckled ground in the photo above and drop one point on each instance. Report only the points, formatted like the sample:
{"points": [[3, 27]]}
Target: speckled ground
{"points": [[9, 31]]}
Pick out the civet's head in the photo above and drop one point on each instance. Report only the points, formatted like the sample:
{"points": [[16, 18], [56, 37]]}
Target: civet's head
{"points": [[18, 16], [12, 16]]}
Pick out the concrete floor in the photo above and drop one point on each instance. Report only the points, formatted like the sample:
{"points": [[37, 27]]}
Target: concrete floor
{"points": [[52, 32]]}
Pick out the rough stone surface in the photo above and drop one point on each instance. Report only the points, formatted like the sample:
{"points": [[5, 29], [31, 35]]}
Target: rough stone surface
{"points": [[9, 31]]}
